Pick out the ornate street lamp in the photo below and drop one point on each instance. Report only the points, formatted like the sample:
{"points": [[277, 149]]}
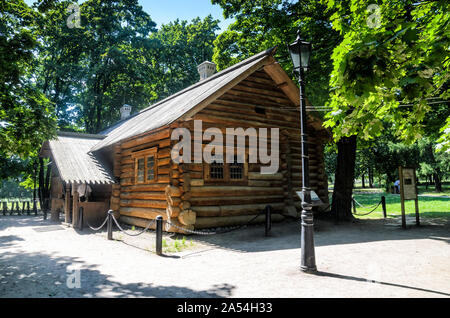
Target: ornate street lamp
{"points": [[300, 52]]}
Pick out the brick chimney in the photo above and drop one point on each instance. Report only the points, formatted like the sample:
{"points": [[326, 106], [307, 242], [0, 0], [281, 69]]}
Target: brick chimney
{"points": [[206, 69], [125, 111]]}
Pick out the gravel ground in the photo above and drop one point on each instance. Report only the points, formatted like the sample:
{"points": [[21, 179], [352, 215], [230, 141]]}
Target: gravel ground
{"points": [[366, 259]]}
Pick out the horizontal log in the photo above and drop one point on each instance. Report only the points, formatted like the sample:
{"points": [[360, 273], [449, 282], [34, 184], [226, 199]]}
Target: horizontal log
{"points": [[144, 203], [153, 187], [205, 191], [151, 137], [172, 191], [220, 221], [216, 201], [229, 210], [143, 195], [144, 213], [259, 176]]}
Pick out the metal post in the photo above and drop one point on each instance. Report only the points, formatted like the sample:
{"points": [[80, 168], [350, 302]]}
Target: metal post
{"points": [[5, 208], [159, 224], [268, 219], [23, 207], [80, 218], [383, 205], [18, 208], [109, 225], [28, 208], [12, 209], [308, 258]]}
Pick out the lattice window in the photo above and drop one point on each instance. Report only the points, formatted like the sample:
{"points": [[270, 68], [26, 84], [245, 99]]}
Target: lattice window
{"points": [[145, 166]]}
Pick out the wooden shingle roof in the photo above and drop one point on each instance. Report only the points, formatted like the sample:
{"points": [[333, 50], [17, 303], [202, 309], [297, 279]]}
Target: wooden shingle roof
{"points": [[74, 161], [182, 103]]}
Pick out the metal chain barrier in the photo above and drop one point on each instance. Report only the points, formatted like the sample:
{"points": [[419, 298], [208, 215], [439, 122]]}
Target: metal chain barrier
{"points": [[363, 205], [215, 232], [134, 234], [97, 228], [368, 212]]}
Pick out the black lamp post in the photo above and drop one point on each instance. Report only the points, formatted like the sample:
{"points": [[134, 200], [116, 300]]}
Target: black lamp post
{"points": [[300, 52]]}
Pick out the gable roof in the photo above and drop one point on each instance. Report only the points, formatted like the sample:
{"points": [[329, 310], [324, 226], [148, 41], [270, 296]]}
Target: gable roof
{"points": [[182, 103], [74, 161]]}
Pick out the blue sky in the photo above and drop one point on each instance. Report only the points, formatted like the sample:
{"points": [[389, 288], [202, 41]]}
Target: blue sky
{"points": [[164, 11]]}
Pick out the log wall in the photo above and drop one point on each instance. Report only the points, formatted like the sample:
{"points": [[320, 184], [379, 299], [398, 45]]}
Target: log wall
{"points": [[182, 195]]}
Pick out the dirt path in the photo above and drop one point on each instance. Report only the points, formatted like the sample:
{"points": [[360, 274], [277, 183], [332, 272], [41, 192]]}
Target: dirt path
{"points": [[367, 259]]}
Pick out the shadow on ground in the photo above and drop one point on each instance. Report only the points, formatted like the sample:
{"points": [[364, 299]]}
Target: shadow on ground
{"points": [[45, 275], [286, 234]]}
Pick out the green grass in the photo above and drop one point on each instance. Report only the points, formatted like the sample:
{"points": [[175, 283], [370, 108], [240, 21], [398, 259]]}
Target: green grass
{"points": [[428, 206]]}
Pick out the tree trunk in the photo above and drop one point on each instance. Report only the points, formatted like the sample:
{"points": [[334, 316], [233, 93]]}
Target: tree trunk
{"points": [[343, 182], [362, 181], [370, 172], [437, 181]]}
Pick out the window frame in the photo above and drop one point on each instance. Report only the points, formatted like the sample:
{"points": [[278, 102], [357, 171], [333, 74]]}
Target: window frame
{"points": [[144, 154], [226, 174]]}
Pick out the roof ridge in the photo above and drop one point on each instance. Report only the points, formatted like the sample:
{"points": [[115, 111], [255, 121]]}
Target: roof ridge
{"points": [[79, 134], [270, 51]]}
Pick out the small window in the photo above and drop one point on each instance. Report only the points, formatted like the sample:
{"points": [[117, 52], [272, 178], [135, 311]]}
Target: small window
{"points": [[140, 170], [226, 172], [236, 170], [216, 170], [150, 168], [145, 165]]}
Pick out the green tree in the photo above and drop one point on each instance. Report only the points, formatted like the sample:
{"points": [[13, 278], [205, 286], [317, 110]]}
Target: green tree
{"points": [[181, 47], [26, 115]]}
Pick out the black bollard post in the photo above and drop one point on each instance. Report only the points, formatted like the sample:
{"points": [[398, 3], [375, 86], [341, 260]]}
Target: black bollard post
{"points": [[80, 218], [159, 224], [28, 208], [109, 225], [12, 209], [23, 207], [5, 208], [383, 205], [18, 208], [268, 219]]}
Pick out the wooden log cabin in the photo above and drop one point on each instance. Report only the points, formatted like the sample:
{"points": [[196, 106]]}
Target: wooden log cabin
{"points": [[131, 162]]}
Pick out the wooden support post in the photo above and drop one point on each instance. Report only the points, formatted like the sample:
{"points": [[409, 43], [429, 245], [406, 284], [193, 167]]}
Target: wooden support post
{"points": [[67, 204], [75, 208], [416, 201]]}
